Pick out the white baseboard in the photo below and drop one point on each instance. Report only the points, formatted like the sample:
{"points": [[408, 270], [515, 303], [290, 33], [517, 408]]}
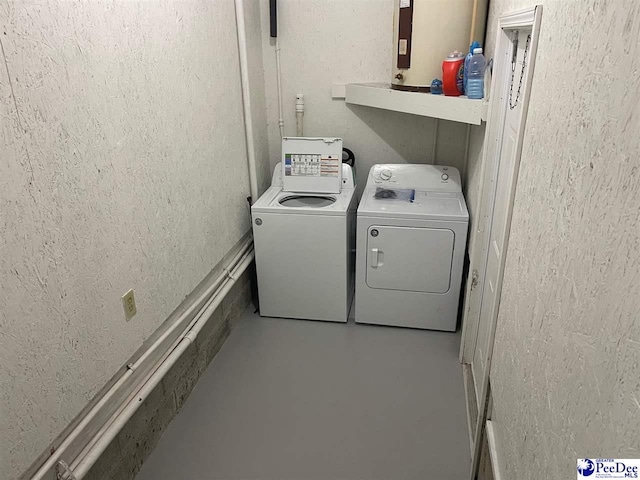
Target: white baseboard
{"points": [[469, 397], [493, 452]]}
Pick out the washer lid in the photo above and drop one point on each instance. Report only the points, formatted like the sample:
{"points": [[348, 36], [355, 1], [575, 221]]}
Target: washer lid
{"points": [[274, 200], [425, 206]]}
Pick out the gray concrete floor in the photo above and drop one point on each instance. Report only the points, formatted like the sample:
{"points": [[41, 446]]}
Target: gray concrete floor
{"points": [[292, 399]]}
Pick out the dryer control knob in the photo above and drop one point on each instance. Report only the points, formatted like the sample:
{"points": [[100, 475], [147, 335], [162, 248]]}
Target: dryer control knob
{"points": [[445, 177], [386, 174]]}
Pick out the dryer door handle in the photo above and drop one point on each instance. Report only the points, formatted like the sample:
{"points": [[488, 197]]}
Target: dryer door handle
{"points": [[377, 256]]}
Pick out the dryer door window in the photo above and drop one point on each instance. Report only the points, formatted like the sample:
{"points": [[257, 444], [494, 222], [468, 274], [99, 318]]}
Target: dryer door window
{"points": [[409, 258]]}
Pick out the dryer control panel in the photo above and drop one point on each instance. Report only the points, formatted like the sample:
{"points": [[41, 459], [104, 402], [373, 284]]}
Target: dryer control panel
{"points": [[435, 178], [311, 165]]}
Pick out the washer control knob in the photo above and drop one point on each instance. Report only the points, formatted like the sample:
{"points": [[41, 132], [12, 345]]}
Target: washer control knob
{"points": [[386, 174], [445, 177], [258, 221], [374, 232]]}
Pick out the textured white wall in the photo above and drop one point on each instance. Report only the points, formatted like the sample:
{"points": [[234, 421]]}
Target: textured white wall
{"points": [[122, 165], [343, 41], [566, 369]]}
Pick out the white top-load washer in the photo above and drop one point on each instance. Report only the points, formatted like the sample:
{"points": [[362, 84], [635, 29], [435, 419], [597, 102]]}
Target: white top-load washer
{"points": [[411, 240], [304, 233]]}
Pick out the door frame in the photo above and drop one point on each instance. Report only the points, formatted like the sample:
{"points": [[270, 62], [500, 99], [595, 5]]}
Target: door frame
{"points": [[524, 19]]}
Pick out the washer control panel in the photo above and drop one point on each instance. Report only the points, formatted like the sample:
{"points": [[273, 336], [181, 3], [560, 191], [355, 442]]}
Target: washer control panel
{"points": [[311, 165]]}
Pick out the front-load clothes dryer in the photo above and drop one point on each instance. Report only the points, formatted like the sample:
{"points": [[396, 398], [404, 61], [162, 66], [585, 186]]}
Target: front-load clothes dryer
{"points": [[411, 238], [305, 241]]}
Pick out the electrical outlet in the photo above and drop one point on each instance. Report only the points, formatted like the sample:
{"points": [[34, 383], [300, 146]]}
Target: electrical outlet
{"points": [[129, 304]]}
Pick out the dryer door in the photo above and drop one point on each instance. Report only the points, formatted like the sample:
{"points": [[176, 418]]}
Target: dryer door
{"points": [[409, 258]]}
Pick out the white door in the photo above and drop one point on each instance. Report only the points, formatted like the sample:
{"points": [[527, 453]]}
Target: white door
{"points": [[502, 181], [515, 59]]}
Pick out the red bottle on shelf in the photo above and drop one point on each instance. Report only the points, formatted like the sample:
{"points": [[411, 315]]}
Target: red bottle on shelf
{"points": [[453, 74]]}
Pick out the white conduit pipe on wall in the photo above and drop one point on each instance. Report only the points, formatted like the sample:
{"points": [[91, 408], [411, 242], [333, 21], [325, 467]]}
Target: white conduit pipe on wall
{"points": [[246, 99], [299, 114], [81, 466], [214, 296], [279, 82], [44, 471], [207, 294], [207, 297]]}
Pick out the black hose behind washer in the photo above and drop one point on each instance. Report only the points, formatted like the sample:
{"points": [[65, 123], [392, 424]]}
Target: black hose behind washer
{"points": [[351, 158]]}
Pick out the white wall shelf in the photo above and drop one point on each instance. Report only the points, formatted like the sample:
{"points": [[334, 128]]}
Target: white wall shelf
{"points": [[380, 95]]}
